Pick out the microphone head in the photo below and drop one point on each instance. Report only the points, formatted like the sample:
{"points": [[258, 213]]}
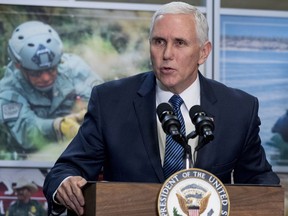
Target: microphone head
{"points": [[204, 125], [169, 121], [195, 111], [163, 109]]}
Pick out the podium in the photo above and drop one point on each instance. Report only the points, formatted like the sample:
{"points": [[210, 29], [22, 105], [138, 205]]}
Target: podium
{"points": [[140, 199]]}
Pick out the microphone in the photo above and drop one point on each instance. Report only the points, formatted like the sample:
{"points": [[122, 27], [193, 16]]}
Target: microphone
{"points": [[170, 123], [204, 125]]}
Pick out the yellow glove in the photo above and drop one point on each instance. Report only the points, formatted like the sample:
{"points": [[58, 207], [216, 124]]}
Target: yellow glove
{"points": [[69, 127], [66, 127]]}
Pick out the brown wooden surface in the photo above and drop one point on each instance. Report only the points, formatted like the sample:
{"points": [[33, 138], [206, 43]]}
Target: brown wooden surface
{"points": [[127, 199], [256, 200], [139, 199]]}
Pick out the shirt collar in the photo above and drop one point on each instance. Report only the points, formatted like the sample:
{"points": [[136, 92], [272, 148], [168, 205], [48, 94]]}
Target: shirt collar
{"points": [[190, 96]]}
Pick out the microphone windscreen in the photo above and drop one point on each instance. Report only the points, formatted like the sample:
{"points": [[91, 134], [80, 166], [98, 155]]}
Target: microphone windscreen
{"points": [[195, 109], [163, 108]]}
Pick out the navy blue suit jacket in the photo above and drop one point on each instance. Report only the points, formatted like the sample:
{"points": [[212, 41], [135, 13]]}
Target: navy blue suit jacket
{"points": [[119, 132]]}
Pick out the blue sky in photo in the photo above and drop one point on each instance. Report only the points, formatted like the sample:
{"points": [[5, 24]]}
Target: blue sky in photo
{"points": [[254, 26]]}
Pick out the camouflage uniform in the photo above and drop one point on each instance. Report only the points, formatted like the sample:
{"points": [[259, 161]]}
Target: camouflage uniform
{"points": [[28, 114], [32, 208]]}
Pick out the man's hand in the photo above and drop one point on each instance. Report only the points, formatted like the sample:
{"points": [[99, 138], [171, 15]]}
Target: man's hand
{"points": [[70, 194]]}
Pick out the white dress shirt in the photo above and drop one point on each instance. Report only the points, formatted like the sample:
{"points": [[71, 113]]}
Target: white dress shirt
{"points": [[191, 97]]}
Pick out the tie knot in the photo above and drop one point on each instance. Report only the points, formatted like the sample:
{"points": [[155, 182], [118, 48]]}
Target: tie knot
{"points": [[176, 101]]}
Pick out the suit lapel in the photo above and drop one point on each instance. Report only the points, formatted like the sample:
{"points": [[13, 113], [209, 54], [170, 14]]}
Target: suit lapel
{"points": [[145, 105], [208, 101]]}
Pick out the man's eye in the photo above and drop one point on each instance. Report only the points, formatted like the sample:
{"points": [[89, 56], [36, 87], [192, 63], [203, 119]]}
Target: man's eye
{"points": [[180, 43], [159, 42]]}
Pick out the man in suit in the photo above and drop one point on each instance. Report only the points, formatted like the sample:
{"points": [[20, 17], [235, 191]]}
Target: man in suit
{"points": [[122, 134]]}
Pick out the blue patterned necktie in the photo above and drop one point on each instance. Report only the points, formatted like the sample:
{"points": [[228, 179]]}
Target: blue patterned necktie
{"points": [[174, 152]]}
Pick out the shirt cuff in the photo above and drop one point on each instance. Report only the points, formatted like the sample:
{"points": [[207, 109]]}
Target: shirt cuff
{"points": [[55, 192]]}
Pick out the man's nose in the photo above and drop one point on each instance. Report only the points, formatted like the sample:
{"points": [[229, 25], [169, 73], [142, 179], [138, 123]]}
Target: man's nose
{"points": [[46, 75], [168, 52]]}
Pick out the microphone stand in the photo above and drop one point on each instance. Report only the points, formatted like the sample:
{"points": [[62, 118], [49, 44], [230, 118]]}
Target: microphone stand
{"points": [[188, 156], [183, 140], [188, 161]]}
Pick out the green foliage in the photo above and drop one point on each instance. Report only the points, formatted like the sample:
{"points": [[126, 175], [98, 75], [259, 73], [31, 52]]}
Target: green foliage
{"points": [[175, 212], [114, 43]]}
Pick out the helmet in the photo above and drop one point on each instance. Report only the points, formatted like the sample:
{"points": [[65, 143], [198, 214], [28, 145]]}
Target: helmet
{"points": [[35, 46]]}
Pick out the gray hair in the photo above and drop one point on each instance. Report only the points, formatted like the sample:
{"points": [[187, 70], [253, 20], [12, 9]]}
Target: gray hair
{"points": [[202, 27]]}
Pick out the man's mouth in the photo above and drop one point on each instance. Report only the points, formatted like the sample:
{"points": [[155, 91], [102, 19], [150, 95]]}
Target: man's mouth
{"points": [[167, 70]]}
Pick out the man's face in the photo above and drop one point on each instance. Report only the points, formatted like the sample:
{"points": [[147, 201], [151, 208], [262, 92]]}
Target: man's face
{"points": [[176, 52], [41, 79], [23, 194]]}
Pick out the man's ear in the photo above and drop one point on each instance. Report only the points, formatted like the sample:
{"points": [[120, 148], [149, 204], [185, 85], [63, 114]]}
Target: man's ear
{"points": [[204, 52]]}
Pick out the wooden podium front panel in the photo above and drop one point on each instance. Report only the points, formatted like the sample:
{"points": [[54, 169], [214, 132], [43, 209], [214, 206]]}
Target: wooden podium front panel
{"points": [[138, 199], [131, 199], [256, 200]]}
